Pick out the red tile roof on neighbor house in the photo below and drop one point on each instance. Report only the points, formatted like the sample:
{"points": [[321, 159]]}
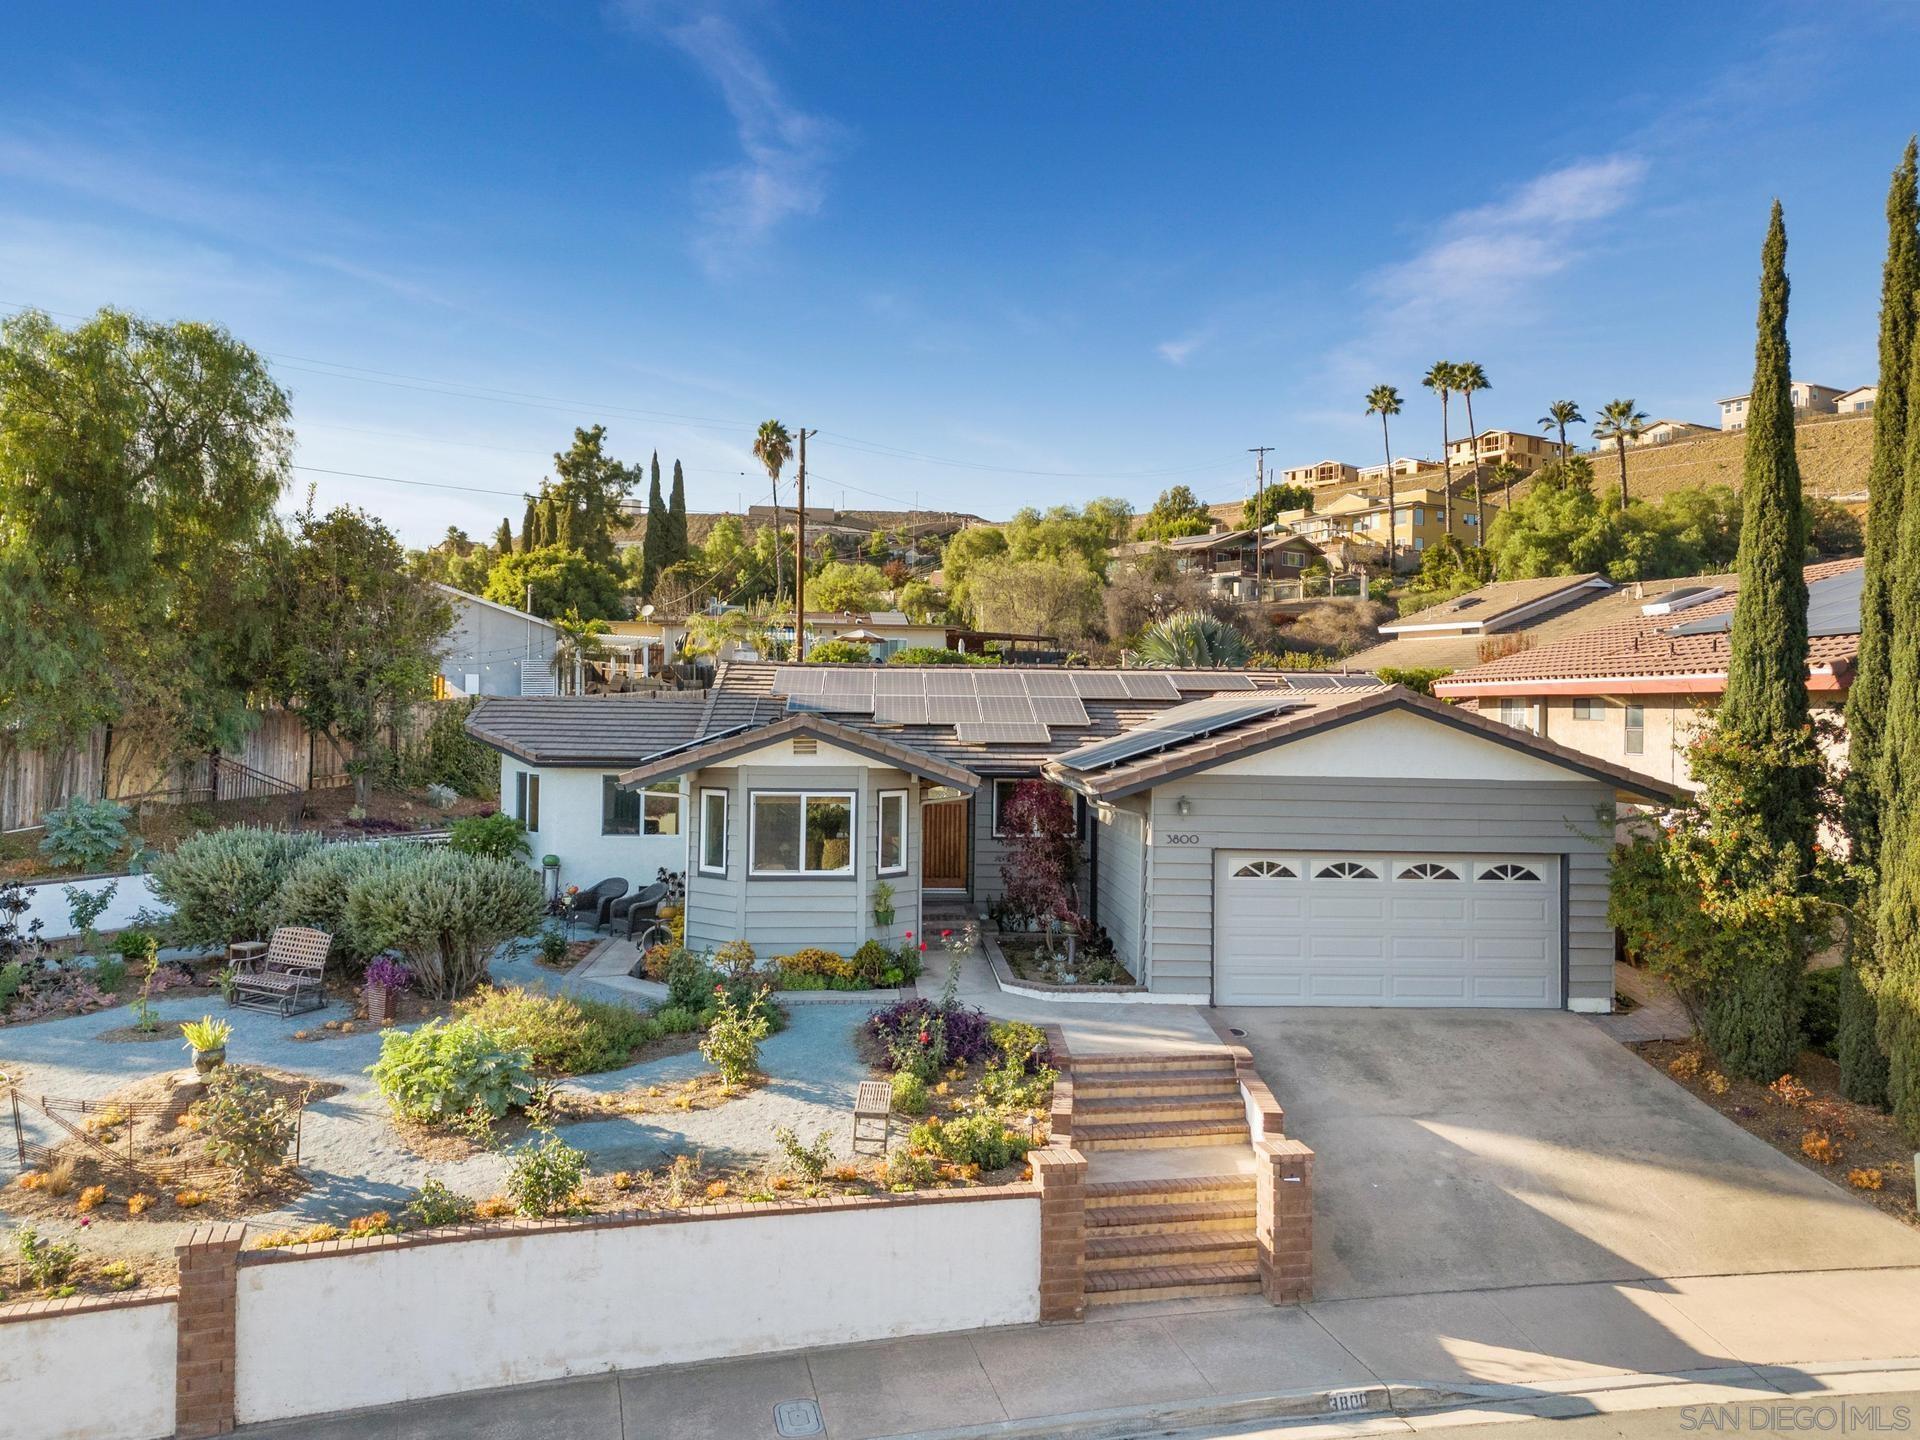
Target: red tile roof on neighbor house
{"points": [[1648, 655]]}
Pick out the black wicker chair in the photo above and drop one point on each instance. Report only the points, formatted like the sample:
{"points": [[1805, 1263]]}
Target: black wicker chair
{"points": [[631, 914], [591, 904]]}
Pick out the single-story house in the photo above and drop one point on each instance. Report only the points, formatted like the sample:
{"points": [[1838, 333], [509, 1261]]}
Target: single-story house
{"points": [[1631, 691], [1248, 837], [494, 649]]}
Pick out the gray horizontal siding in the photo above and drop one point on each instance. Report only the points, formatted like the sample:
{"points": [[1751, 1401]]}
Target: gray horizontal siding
{"points": [[1121, 882], [1252, 813]]}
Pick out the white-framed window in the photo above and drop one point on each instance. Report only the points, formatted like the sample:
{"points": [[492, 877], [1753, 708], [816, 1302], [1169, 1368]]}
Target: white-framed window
{"points": [[526, 799], [713, 832], [1346, 870], [1635, 738], [800, 832], [654, 810], [890, 833], [1516, 712], [1586, 708]]}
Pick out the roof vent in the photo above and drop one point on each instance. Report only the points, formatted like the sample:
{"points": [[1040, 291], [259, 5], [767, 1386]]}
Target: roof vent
{"points": [[806, 745]]}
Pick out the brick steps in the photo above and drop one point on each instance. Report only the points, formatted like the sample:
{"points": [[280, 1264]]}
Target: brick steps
{"points": [[1186, 1218], [1171, 1282], [1096, 1135], [1132, 1253], [1151, 1105], [1211, 1062]]}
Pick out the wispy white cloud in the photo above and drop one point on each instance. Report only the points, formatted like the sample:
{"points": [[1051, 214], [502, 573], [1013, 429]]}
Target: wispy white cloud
{"points": [[786, 151], [1179, 351]]}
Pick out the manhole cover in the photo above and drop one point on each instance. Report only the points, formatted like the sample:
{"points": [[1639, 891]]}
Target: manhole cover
{"points": [[798, 1417], [1237, 1034]]}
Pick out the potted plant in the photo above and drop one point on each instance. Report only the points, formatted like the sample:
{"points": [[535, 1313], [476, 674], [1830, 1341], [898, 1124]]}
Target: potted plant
{"points": [[207, 1039], [883, 905], [386, 977]]}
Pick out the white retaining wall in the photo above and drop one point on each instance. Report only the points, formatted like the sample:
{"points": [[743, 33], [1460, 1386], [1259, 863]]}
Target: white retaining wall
{"points": [[133, 893], [374, 1326], [88, 1374]]}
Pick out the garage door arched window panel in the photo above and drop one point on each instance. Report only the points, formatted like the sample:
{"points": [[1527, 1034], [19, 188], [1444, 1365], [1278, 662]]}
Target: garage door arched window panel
{"points": [[1508, 870], [1346, 870], [1266, 870], [1427, 870]]}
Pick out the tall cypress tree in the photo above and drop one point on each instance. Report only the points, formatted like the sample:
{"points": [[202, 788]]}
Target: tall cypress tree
{"points": [[503, 539], [1868, 698], [1752, 1018], [1897, 937], [653, 545], [678, 546], [528, 524], [1863, 1065]]}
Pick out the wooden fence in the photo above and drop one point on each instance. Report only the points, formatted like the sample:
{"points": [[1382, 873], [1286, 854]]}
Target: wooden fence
{"points": [[278, 754]]}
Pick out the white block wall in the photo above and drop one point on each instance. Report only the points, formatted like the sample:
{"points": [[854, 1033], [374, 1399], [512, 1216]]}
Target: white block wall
{"points": [[88, 1374]]}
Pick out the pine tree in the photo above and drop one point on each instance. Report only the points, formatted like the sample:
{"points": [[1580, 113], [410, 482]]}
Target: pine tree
{"points": [[1766, 699], [1896, 990], [1751, 1018], [679, 548], [653, 545], [1863, 1067]]}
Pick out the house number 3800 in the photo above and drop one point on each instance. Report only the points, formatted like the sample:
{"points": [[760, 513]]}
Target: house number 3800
{"points": [[1183, 839]]}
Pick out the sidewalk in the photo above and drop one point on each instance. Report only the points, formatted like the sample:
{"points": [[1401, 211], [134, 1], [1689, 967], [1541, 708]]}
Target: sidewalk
{"points": [[1188, 1364]]}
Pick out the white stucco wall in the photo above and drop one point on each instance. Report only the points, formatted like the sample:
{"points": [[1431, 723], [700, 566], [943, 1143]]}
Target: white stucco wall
{"points": [[48, 904], [376, 1326], [570, 828], [88, 1374]]}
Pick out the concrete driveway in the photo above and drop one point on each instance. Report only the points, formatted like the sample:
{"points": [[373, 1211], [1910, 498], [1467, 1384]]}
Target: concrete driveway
{"points": [[1463, 1149]]}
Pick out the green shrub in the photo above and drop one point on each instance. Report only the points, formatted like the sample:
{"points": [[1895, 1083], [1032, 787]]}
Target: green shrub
{"points": [[871, 963], [1820, 1018], [735, 959], [690, 980], [449, 756], [445, 1072], [247, 1129], [809, 1161], [434, 1204], [982, 1140], [46, 1262], [838, 652], [222, 883], [552, 944], [543, 1178], [495, 837], [85, 834], [1418, 678], [909, 1170], [676, 1020], [909, 1093], [109, 973], [562, 1034], [733, 1040], [445, 913], [136, 948], [316, 887], [12, 976], [937, 655]]}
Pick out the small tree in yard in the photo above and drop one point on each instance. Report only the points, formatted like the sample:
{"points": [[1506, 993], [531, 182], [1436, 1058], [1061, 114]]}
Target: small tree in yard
{"points": [[445, 913], [1042, 863]]}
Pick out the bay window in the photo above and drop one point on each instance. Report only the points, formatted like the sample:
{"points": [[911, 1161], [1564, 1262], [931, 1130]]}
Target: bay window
{"points": [[800, 833]]}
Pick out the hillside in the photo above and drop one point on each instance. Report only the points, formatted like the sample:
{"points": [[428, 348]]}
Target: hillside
{"points": [[1833, 460]]}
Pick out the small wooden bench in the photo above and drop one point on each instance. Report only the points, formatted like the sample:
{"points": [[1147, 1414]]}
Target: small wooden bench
{"points": [[288, 978], [872, 1117]]}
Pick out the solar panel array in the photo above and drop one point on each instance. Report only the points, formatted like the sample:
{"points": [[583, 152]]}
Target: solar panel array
{"points": [[1175, 727], [1339, 681], [984, 705]]}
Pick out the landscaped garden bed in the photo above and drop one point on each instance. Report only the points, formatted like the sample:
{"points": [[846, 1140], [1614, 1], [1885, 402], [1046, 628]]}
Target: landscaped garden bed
{"points": [[874, 966], [1804, 1116], [1047, 963]]}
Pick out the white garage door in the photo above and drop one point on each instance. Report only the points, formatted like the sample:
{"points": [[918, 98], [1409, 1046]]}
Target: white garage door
{"points": [[1327, 928]]}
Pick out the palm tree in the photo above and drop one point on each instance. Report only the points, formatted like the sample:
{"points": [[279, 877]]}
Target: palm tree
{"points": [[1189, 640], [1467, 378], [1439, 379], [1504, 474], [773, 447], [579, 642], [1384, 400], [1562, 413], [1619, 422]]}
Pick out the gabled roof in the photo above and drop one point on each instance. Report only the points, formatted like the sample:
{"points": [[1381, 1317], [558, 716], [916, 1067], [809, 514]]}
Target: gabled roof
{"points": [[748, 738], [585, 730], [1501, 605], [1683, 653], [471, 598], [1202, 752]]}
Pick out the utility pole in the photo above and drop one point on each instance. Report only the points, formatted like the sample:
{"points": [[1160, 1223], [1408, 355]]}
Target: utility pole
{"points": [[800, 558], [1259, 453]]}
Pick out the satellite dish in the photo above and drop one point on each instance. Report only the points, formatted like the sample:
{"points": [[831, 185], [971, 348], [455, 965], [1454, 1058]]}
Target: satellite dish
{"points": [[646, 612]]}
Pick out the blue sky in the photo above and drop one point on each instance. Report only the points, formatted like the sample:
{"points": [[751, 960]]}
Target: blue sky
{"points": [[997, 254]]}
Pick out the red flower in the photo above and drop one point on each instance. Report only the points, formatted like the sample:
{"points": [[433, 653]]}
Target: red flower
{"points": [[923, 1037], [909, 935], [946, 934], [719, 989], [923, 947]]}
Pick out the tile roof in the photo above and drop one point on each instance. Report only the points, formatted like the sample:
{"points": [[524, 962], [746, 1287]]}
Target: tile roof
{"points": [[870, 742], [1645, 650], [586, 729], [1490, 605]]}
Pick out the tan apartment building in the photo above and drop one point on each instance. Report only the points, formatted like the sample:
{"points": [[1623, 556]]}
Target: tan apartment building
{"points": [[1401, 467], [1808, 399], [1857, 401], [1352, 528], [1520, 448], [1665, 432], [1322, 475]]}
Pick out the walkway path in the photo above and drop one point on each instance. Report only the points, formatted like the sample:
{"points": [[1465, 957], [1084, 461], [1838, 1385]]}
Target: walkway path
{"points": [[1657, 1013], [1168, 1367]]}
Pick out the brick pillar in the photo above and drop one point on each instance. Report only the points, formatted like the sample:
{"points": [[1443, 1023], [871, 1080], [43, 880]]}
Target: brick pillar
{"points": [[1060, 1118], [1283, 1174], [203, 1379], [1062, 1176]]}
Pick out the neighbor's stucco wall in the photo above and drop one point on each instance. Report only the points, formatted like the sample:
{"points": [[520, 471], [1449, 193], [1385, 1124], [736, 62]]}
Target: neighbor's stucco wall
{"points": [[411, 1321], [1569, 818], [90, 1374], [570, 828], [778, 915]]}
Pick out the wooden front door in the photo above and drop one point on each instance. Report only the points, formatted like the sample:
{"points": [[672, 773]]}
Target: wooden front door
{"points": [[943, 845]]}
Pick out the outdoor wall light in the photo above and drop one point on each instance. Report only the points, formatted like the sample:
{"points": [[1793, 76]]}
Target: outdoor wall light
{"points": [[1183, 805]]}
